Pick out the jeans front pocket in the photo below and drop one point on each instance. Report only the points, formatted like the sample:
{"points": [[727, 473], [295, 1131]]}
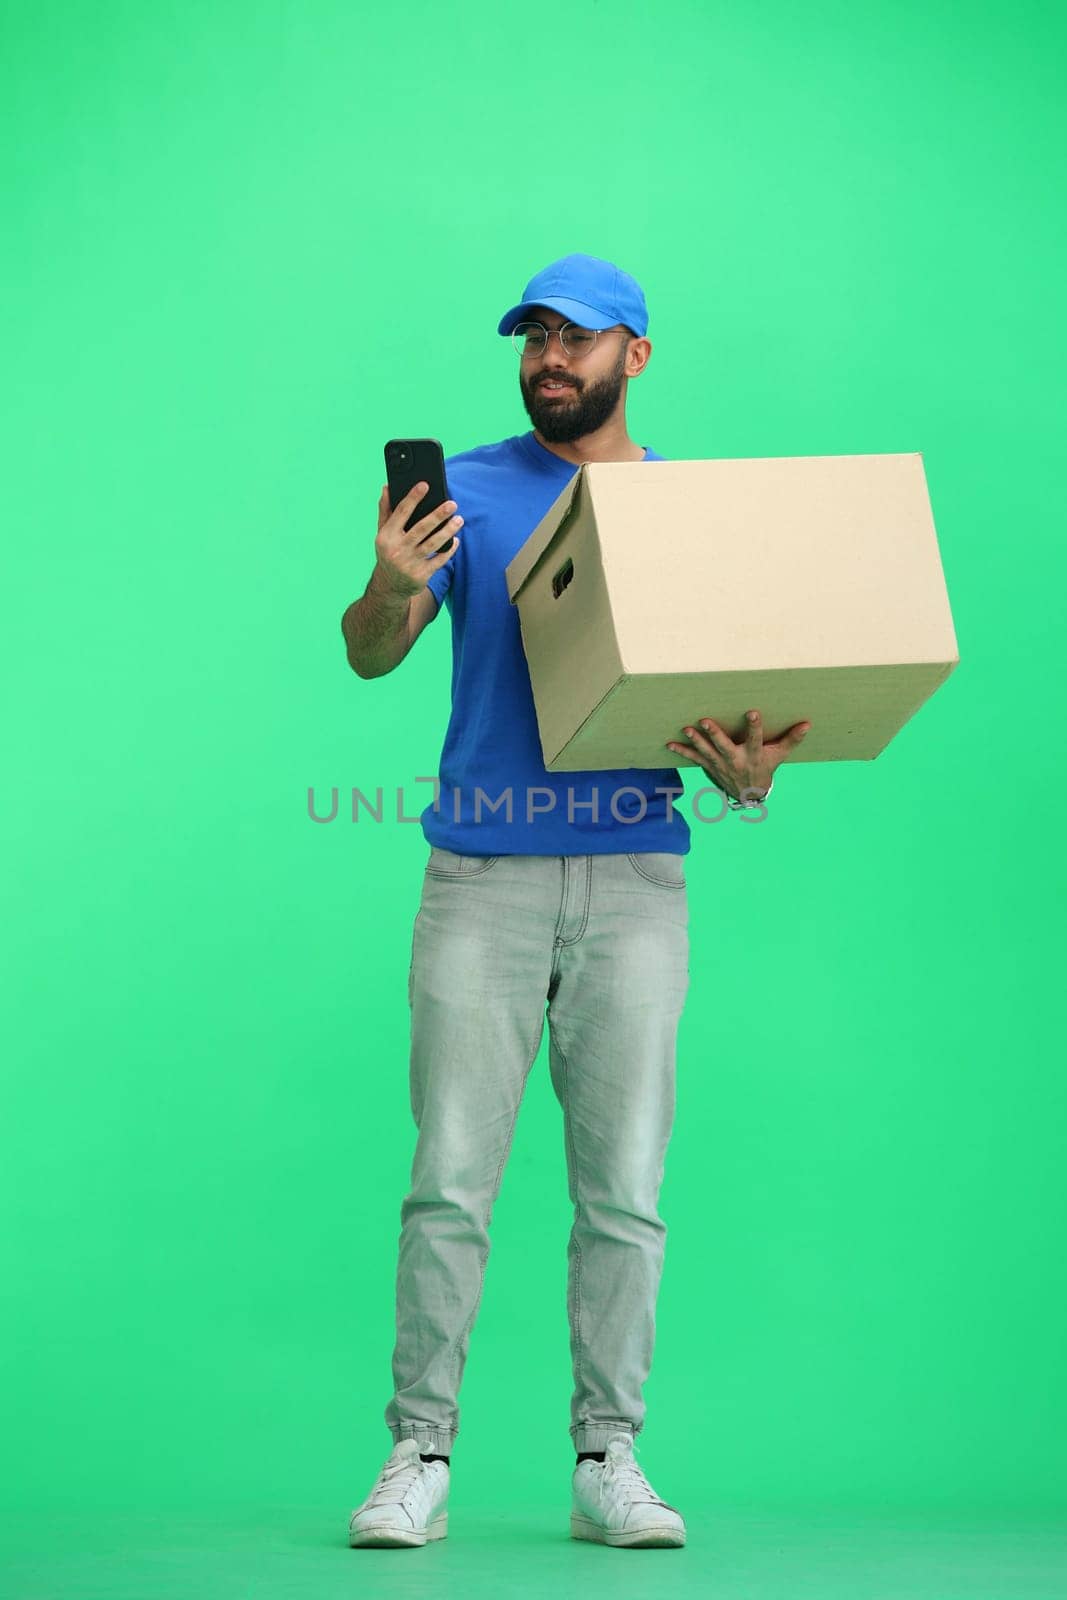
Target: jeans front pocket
{"points": [[664, 867], [450, 864]]}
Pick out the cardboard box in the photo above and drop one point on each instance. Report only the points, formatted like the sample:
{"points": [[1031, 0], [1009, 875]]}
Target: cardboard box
{"points": [[657, 592]]}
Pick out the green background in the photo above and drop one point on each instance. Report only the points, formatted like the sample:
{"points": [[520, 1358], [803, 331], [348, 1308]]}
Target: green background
{"points": [[244, 244]]}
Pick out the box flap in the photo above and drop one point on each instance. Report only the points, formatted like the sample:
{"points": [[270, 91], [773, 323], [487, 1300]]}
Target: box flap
{"points": [[559, 514]]}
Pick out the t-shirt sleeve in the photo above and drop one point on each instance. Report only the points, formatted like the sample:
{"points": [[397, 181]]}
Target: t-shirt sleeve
{"points": [[440, 582]]}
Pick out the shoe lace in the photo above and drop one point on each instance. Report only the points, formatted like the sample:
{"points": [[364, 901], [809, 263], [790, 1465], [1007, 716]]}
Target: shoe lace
{"points": [[623, 1473], [395, 1480]]}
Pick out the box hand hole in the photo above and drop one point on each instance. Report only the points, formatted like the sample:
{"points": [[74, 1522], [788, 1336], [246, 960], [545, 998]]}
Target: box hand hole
{"points": [[563, 577]]}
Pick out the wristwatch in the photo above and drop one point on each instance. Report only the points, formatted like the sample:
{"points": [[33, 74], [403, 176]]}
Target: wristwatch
{"points": [[748, 805]]}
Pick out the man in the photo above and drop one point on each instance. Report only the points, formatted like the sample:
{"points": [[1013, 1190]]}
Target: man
{"points": [[560, 887]]}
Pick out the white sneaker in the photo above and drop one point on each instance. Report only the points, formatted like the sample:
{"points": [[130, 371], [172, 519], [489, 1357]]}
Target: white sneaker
{"points": [[408, 1504], [614, 1503]]}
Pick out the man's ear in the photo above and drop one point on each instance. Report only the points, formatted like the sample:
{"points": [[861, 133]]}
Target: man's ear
{"points": [[637, 357]]}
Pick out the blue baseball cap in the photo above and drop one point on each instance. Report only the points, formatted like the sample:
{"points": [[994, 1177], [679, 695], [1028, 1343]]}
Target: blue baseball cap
{"points": [[586, 290]]}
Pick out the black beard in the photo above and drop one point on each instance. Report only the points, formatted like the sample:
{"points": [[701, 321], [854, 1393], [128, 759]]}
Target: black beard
{"points": [[586, 410]]}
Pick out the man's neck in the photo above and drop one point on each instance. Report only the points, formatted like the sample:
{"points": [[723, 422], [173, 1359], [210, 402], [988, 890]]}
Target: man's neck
{"points": [[607, 444]]}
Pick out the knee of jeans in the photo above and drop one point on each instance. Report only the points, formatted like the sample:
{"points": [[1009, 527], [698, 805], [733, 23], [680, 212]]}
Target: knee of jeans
{"points": [[620, 1207], [456, 1181]]}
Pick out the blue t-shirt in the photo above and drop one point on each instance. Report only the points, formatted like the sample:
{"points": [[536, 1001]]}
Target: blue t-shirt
{"points": [[492, 744]]}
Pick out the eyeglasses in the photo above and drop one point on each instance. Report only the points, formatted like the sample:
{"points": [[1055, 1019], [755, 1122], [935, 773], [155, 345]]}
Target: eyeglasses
{"points": [[530, 338]]}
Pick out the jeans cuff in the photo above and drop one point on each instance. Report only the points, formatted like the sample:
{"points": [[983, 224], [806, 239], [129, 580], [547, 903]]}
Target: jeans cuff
{"points": [[595, 1435], [432, 1441]]}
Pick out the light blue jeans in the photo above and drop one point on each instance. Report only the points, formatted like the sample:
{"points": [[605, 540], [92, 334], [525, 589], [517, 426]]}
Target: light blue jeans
{"points": [[604, 940]]}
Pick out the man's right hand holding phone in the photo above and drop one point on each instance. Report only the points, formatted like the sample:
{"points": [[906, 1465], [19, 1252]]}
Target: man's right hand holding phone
{"points": [[403, 564]]}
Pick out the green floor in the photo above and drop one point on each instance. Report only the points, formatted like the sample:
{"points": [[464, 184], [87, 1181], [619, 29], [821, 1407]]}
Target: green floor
{"points": [[732, 1554]]}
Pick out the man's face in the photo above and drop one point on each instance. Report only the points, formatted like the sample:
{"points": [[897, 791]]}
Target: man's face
{"points": [[594, 382]]}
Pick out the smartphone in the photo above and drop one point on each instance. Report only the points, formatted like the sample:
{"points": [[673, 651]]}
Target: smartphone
{"points": [[412, 461]]}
